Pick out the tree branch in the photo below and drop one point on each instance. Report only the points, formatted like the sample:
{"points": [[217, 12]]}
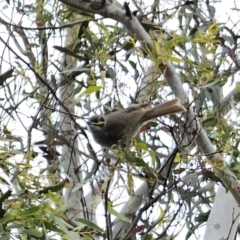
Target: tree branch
{"points": [[224, 104]]}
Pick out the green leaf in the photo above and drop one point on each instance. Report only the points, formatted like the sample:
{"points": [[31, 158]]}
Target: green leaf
{"points": [[136, 161], [33, 232], [14, 226], [90, 90], [130, 183], [30, 211], [211, 121], [147, 237], [54, 188], [81, 184], [89, 224], [88, 36], [237, 87], [5, 76], [84, 25], [142, 146], [117, 214], [79, 69], [153, 157], [61, 225], [175, 59], [235, 153], [52, 227], [237, 168]]}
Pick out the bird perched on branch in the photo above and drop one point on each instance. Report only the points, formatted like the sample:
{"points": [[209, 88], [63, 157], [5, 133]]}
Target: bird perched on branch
{"points": [[120, 126]]}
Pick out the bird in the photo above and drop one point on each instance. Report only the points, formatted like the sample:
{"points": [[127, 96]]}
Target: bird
{"points": [[122, 125]]}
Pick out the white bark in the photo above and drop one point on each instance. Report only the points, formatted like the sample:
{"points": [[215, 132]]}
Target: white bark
{"points": [[69, 157], [129, 209], [224, 217]]}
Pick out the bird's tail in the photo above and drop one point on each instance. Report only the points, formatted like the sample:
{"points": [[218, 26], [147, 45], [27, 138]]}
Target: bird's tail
{"points": [[170, 107]]}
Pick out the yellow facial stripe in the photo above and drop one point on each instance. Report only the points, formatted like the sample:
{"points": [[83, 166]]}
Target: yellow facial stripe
{"points": [[100, 123]]}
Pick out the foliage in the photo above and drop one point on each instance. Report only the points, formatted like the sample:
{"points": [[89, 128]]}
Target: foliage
{"points": [[103, 67]]}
